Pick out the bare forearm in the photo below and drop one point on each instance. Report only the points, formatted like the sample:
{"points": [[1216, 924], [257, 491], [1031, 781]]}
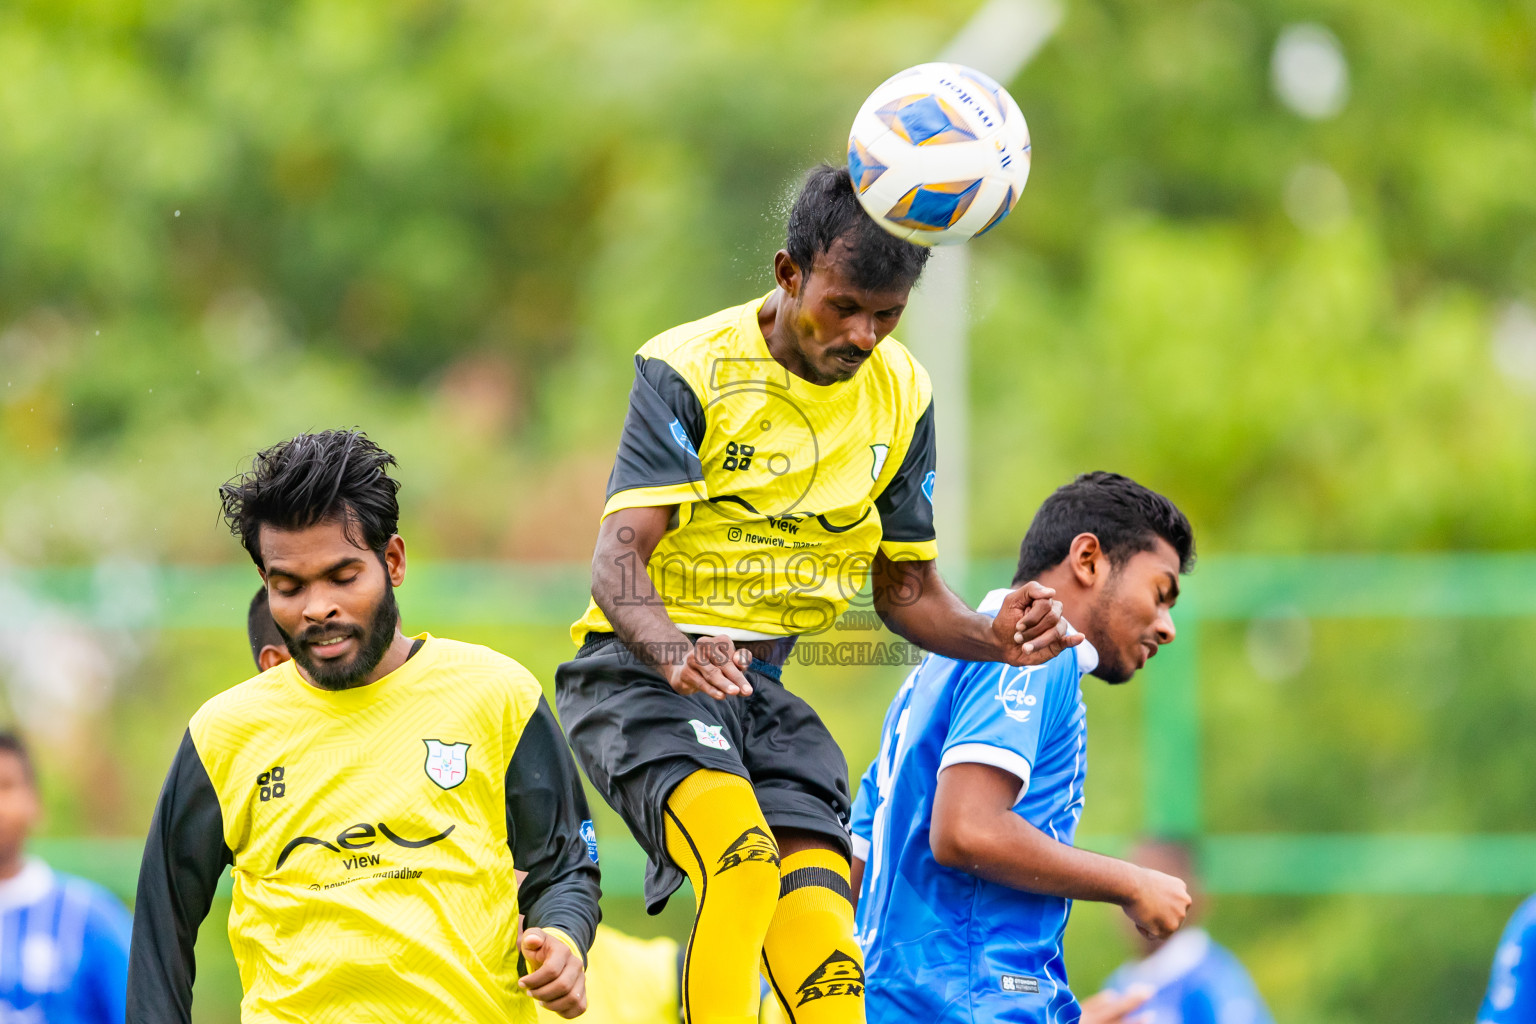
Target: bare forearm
{"points": [[975, 830], [622, 587], [1010, 851], [636, 612], [916, 604], [940, 622]]}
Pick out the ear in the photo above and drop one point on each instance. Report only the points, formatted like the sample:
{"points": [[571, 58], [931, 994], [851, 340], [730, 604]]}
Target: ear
{"points": [[271, 656], [1086, 559], [786, 273], [394, 560]]}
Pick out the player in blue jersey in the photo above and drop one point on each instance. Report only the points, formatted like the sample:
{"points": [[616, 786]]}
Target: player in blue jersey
{"points": [[1110, 1006], [1192, 978], [978, 785], [1511, 997], [63, 940]]}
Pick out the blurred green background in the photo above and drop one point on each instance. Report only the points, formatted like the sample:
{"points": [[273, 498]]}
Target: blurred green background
{"points": [[1307, 316]]}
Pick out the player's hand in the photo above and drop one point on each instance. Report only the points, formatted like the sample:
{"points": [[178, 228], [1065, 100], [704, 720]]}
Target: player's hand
{"points": [[556, 977], [1160, 903], [715, 668], [1111, 1007], [1029, 628]]}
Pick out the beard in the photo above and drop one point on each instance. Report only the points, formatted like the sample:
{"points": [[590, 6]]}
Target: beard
{"points": [[373, 642], [827, 369], [1114, 667]]}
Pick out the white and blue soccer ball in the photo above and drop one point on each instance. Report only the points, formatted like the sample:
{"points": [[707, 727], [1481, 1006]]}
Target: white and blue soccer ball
{"points": [[939, 154]]}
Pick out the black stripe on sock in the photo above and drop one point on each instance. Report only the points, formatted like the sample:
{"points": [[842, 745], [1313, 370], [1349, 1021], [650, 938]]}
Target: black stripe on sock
{"points": [[693, 848], [804, 878], [777, 991]]}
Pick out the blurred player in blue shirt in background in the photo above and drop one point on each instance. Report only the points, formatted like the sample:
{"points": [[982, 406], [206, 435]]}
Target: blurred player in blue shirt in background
{"points": [[63, 940], [968, 826], [1193, 980], [1511, 997]]}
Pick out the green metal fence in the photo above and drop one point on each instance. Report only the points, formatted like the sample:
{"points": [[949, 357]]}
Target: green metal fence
{"points": [[1225, 589], [1327, 587]]}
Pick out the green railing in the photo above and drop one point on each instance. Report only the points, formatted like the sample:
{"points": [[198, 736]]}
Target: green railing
{"points": [[1237, 588], [1225, 589]]}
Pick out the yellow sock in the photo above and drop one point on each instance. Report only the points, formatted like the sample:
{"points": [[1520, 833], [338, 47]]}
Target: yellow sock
{"points": [[810, 958], [717, 835]]}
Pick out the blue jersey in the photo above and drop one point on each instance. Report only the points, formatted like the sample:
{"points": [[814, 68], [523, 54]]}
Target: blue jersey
{"points": [[63, 950], [1194, 981], [1511, 995], [861, 817], [941, 945]]}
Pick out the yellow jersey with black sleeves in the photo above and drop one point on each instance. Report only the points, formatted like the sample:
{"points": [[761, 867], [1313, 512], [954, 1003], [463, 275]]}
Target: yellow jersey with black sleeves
{"points": [[784, 489], [373, 836]]}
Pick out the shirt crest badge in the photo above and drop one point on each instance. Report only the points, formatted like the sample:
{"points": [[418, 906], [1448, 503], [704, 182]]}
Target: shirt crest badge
{"points": [[447, 763], [709, 735]]}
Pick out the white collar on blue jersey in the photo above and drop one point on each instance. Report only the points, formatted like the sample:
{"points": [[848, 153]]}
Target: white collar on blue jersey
{"points": [[27, 886], [1087, 654]]}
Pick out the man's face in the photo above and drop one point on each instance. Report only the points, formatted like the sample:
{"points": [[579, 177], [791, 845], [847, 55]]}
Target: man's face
{"points": [[334, 602], [1132, 617], [834, 324], [19, 805]]}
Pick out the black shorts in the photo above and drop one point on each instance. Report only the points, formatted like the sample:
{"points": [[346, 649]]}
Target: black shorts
{"points": [[637, 738]]}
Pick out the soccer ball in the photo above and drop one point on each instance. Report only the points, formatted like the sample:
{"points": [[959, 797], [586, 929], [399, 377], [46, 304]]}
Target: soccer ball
{"points": [[939, 154]]}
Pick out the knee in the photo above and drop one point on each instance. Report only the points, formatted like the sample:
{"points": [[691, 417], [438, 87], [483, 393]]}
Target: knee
{"points": [[750, 860], [715, 827]]}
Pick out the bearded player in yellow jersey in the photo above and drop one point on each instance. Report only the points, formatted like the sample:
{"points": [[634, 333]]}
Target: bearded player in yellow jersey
{"points": [[776, 456], [628, 980], [376, 797]]}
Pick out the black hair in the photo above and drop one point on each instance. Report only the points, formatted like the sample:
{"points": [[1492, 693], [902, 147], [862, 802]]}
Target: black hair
{"points": [[333, 475], [1126, 517], [260, 628], [12, 743], [827, 210]]}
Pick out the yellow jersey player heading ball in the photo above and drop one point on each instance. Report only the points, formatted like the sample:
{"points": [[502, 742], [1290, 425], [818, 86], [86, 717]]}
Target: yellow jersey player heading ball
{"points": [[775, 456], [375, 797]]}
